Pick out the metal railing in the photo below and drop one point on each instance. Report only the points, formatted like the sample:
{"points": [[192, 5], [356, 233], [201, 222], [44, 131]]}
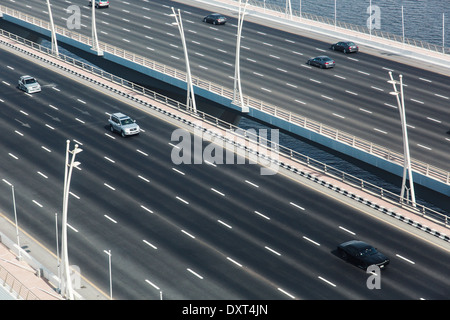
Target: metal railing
{"points": [[312, 125], [14, 286], [267, 7], [285, 152]]}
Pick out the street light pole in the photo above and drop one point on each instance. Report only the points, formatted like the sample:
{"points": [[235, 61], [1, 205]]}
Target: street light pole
{"points": [[190, 100], [95, 45], [55, 50], [406, 156], [67, 289], [237, 92], [110, 273]]}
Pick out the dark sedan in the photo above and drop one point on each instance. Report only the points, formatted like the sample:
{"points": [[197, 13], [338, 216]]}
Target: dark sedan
{"points": [[215, 18], [323, 62], [362, 254], [345, 46]]}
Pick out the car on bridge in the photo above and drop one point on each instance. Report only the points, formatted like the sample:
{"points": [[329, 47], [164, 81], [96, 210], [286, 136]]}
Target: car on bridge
{"points": [[361, 254], [124, 124], [100, 3], [345, 47], [323, 62], [29, 84], [215, 18]]}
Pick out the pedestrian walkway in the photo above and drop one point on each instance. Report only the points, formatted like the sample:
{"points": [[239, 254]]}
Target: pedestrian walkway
{"points": [[19, 281]]}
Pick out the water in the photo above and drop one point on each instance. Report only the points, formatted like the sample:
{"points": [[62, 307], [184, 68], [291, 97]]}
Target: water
{"points": [[423, 19]]}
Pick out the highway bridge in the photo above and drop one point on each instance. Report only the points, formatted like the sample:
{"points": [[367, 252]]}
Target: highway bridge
{"points": [[348, 108], [192, 231]]}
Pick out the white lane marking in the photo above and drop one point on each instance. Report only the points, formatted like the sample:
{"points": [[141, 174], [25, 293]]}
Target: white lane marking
{"points": [[338, 115], [142, 152], [326, 97], [364, 110], [313, 80], [262, 215], [146, 209], [376, 88], [390, 105], [441, 96], [422, 146], [312, 241], [265, 89], [435, 120], [351, 92], [194, 273], [325, 280], [286, 293], [182, 200], [37, 203], [384, 132], [188, 234], [107, 185], [367, 74], [234, 261], [318, 49], [346, 230], [149, 244], [225, 224], [109, 218], [218, 192], [152, 284], [426, 80], [46, 149], [145, 179], [271, 250], [299, 101], [252, 184], [178, 171], [110, 160], [340, 77], [407, 260], [296, 205], [13, 156], [418, 101]]}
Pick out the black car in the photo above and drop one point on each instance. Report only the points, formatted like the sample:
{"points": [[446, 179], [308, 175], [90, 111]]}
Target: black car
{"points": [[323, 62], [215, 18], [362, 254], [345, 46]]}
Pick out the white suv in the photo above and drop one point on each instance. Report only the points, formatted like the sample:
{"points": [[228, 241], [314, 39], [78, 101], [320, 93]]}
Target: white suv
{"points": [[124, 124], [100, 3]]}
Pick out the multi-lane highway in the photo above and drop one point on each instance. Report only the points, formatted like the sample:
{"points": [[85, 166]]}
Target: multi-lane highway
{"points": [[188, 231], [354, 96]]}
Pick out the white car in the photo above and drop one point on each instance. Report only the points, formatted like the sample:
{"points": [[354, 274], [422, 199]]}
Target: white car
{"points": [[124, 124], [100, 3], [29, 84]]}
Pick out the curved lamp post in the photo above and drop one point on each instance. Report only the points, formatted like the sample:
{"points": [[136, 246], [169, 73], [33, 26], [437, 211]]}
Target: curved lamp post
{"points": [[238, 98], [190, 100], [55, 50], [66, 288], [406, 157]]}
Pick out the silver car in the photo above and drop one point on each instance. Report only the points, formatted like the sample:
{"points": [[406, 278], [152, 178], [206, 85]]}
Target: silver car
{"points": [[29, 84], [100, 3], [124, 124]]}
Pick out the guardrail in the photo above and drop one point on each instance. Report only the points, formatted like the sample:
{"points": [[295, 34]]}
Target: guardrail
{"points": [[330, 132], [293, 155], [344, 25], [15, 286]]}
